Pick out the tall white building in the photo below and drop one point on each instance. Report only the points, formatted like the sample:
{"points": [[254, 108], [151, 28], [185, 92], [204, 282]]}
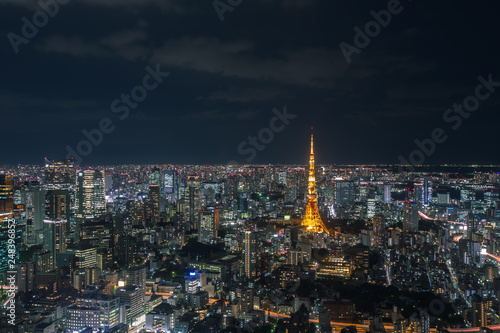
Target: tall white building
{"points": [[100, 312]]}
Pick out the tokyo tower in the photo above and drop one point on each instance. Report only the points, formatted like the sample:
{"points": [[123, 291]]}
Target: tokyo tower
{"points": [[312, 221]]}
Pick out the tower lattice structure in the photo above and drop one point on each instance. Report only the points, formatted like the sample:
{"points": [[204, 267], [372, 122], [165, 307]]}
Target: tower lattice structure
{"points": [[312, 221]]}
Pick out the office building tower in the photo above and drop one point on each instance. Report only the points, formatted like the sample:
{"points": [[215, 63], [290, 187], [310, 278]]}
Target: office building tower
{"points": [[90, 198], [33, 199], [425, 321], [443, 198], [387, 194], [479, 311], [291, 237], [324, 320], [400, 325], [193, 282], [155, 177], [26, 276], [344, 192], [193, 197], [410, 217], [153, 204], [371, 208], [6, 197], [427, 190], [251, 253], [378, 222], [131, 297], [137, 277], [59, 174], [8, 251], [97, 311], [84, 256], [57, 212], [169, 185], [472, 225], [44, 261], [207, 228]]}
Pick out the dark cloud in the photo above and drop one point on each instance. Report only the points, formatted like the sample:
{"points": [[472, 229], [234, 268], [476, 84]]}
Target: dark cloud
{"points": [[226, 78]]}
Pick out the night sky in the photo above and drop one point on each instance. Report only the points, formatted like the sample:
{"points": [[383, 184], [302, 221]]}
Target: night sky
{"points": [[226, 77]]}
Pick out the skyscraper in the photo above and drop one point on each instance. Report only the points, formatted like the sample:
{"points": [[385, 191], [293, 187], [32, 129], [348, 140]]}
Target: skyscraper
{"points": [[26, 276], [427, 195], [410, 218], [6, 197], [250, 248], [479, 309], [33, 199], [194, 197], [8, 251], [312, 221], [344, 192], [59, 174], [207, 229], [57, 211], [387, 194], [90, 199]]}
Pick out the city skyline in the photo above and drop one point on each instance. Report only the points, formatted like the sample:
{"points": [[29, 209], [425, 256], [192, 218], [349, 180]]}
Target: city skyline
{"points": [[249, 166]]}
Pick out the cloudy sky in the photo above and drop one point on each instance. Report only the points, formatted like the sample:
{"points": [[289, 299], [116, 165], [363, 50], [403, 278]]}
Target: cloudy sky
{"points": [[226, 77]]}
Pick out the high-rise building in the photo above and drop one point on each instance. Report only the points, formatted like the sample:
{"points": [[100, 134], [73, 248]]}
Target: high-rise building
{"points": [[324, 320], [155, 177], [207, 228], [98, 311], [251, 253], [153, 204], [26, 276], [57, 212], [427, 190], [400, 326], [443, 198], [7, 223], [479, 311], [59, 174], [85, 256], [169, 185], [312, 221], [131, 296], [137, 277], [344, 192], [33, 199], [6, 197], [90, 198], [410, 217], [378, 222], [194, 197], [387, 194]]}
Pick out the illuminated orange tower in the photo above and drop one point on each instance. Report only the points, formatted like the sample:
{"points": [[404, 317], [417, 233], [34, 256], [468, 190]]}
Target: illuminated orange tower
{"points": [[312, 221]]}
